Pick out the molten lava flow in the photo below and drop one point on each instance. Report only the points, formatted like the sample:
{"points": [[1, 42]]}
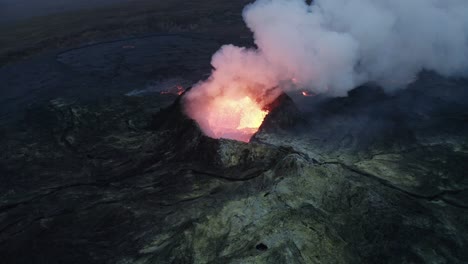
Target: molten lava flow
{"points": [[308, 93], [235, 119], [174, 90], [180, 90]]}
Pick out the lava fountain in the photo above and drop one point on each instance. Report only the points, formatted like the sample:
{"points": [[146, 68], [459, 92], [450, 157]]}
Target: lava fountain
{"points": [[237, 118], [234, 119], [233, 102]]}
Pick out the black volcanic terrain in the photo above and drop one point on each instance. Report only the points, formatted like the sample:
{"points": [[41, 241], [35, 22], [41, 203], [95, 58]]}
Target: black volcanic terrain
{"points": [[99, 164]]}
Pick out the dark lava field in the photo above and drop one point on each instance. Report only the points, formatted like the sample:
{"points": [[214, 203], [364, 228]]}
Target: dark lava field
{"points": [[99, 164]]}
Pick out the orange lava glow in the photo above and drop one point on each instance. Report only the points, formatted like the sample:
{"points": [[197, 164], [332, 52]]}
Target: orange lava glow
{"points": [[174, 90], [234, 119], [307, 93]]}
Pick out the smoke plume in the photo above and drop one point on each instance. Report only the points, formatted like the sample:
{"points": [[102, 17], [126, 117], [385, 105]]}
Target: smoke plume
{"points": [[332, 46]]}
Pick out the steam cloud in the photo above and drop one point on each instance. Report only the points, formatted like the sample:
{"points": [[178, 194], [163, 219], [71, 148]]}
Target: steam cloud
{"points": [[334, 45], [329, 46]]}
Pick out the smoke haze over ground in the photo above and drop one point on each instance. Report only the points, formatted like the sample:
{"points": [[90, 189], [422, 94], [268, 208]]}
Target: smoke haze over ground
{"points": [[334, 45]]}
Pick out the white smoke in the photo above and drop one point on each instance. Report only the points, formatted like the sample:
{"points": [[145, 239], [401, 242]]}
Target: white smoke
{"points": [[339, 44], [335, 45], [332, 46]]}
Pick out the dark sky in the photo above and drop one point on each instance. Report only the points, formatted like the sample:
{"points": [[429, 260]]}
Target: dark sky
{"points": [[11, 10]]}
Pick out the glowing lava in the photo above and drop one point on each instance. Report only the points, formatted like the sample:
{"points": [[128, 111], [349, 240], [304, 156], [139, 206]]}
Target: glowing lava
{"points": [[308, 93], [178, 90], [234, 119]]}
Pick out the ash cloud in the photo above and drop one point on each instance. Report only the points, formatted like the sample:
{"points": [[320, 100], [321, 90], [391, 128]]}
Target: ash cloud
{"points": [[333, 46]]}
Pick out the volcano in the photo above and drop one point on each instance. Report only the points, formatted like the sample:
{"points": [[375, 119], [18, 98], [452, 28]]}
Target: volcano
{"points": [[237, 120], [233, 115], [356, 179], [324, 131]]}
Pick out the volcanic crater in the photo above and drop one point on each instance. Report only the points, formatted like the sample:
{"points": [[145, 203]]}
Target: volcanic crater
{"points": [[274, 157], [134, 179]]}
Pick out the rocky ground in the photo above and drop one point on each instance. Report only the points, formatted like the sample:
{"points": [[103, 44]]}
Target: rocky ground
{"points": [[149, 62], [94, 22], [97, 166], [370, 178]]}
